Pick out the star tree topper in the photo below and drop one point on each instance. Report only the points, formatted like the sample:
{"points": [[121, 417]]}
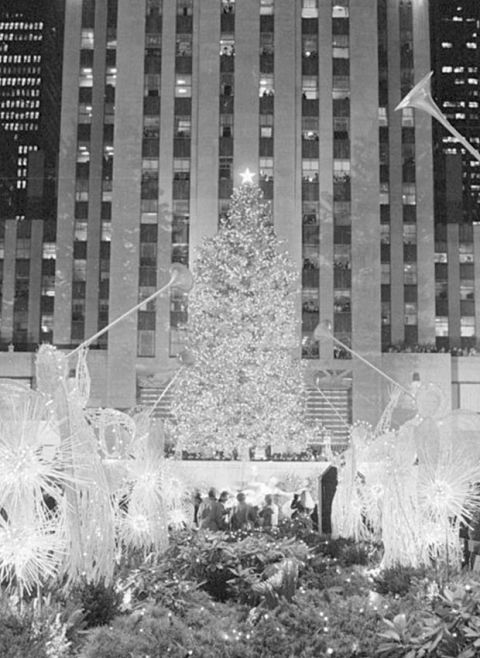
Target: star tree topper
{"points": [[247, 176]]}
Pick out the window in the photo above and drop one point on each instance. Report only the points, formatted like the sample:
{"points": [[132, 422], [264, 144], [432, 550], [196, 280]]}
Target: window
{"points": [[385, 273], [340, 9], [225, 167], [467, 327], [266, 43], [266, 87], [266, 7], [310, 128], [409, 234], [226, 125], [309, 8], [466, 252], [181, 169], [226, 84], [409, 273], [184, 7], [227, 45], [386, 313], [310, 45], [183, 126], [49, 250], [408, 117], [79, 270], [309, 170], [266, 125], [409, 195], [184, 45], [310, 87], [228, 6], [410, 313], [266, 169], [384, 233], [467, 290], [80, 233], [183, 86], [87, 42]]}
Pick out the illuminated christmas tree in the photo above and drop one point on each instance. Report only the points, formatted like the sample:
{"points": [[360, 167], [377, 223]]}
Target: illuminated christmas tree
{"points": [[244, 386]]}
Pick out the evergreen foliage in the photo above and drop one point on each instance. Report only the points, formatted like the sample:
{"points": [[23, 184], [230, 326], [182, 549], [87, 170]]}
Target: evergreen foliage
{"points": [[244, 387]]}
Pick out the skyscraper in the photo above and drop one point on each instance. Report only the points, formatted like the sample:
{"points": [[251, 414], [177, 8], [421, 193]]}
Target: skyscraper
{"points": [[165, 103], [455, 28], [31, 38]]}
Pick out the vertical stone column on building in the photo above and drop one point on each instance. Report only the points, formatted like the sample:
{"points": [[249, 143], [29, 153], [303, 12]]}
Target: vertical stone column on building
{"points": [[397, 297], [66, 174], [325, 171], [165, 183], [453, 269], [365, 186], [476, 275], [124, 260], [287, 195], [36, 163], [205, 123], [95, 178], [8, 296], [424, 184], [35, 281], [246, 100]]}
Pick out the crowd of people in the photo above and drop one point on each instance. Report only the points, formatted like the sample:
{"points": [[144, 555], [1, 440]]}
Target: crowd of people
{"points": [[227, 512]]}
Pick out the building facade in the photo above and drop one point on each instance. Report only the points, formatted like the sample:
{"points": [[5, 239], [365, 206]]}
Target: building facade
{"points": [[164, 103], [455, 61], [31, 44]]}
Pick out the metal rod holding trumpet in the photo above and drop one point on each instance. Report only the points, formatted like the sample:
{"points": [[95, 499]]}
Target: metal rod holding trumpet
{"points": [[180, 279]]}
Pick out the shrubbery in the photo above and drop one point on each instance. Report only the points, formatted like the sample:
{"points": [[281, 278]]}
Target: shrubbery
{"points": [[252, 595]]}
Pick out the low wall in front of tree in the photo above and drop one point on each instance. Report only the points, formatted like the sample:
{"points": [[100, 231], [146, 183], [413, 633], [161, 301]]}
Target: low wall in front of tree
{"points": [[237, 475]]}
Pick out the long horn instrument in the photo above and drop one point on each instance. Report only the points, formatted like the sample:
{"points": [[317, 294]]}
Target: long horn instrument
{"points": [[421, 98]]}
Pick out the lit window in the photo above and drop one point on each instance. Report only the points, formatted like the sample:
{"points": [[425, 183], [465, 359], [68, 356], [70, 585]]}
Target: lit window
{"points": [[340, 8], [266, 7], [310, 87], [310, 128], [266, 169], [183, 126], [409, 233], [183, 86], [310, 170], [409, 196], [266, 86], [410, 273], [441, 326], [309, 8], [410, 316], [80, 232], [49, 250], [266, 125], [87, 41], [382, 116], [227, 45], [408, 117], [467, 326]]}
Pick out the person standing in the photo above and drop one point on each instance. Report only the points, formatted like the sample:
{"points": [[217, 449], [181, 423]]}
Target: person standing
{"points": [[269, 513], [244, 516]]}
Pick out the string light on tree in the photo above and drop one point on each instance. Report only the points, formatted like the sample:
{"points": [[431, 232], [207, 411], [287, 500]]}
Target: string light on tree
{"points": [[244, 388]]}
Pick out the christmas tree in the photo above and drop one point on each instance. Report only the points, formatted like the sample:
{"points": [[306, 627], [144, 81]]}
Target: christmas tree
{"points": [[244, 386]]}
